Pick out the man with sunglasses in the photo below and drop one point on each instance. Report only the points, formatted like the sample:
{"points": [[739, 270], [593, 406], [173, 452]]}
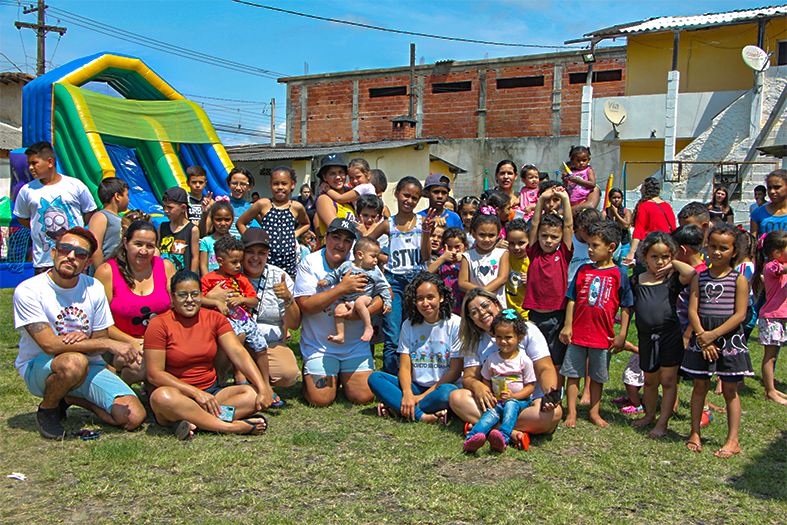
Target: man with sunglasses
{"points": [[63, 318]]}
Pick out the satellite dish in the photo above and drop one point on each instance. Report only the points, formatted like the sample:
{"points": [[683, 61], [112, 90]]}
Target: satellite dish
{"points": [[756, 58], [615, 112]]}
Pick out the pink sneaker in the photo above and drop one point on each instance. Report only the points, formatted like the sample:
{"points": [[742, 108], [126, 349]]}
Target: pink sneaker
{"points": [[474, 443], [631, 409], [497, 441], [622, 401]]}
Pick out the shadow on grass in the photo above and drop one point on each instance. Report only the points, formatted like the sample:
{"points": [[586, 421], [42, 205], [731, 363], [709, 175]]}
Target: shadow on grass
{"points": [[765, 476]]}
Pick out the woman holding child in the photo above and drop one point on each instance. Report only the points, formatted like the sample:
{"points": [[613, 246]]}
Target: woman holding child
{"points": [[469, 403], [333, 171], [136, 283]]}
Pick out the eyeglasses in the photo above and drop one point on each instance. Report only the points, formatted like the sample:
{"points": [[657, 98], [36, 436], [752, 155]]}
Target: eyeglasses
{"points": [[65, 250], [239, 183], [485, 306], [184, 296]]}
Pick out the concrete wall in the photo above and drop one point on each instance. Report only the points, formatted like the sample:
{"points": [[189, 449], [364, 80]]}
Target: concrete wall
{"points": [[11, 103], [700, 58], [479, 158]]}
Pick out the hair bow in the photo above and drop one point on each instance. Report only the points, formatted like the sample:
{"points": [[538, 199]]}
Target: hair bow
{"points": [[761, 241], [510, 314], [488, 210], [222, 198]]}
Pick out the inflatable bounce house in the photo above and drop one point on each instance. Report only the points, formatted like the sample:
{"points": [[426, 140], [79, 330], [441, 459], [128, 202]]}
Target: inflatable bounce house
{"points": [[147, 138]]}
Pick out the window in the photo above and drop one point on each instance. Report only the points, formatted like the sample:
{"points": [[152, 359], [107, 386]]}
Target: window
{"points": [[451, 87], [387, 91], [611, 75], [781, 58], [519, 82]]}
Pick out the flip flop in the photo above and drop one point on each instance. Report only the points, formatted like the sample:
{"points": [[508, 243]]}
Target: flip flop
{"points": [[443, 418], [726, 454], [382, 410], [468, 428], [697, 446], [255, 425], [521, 441], [278, 402], [181, 429]]}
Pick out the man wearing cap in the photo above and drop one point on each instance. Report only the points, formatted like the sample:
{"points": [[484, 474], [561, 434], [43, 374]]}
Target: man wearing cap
{"points": [[63, 318], [327, 364], [333, 171], [178, 238], [437, 187]]}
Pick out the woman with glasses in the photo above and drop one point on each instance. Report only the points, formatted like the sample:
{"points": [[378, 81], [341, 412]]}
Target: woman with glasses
{"points": [[181, 345], [136, 283], [470, 402]]}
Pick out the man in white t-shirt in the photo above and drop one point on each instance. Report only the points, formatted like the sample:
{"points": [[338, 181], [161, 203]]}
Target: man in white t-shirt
{"points": [[50, 204], [327, 364], [63, 318]]}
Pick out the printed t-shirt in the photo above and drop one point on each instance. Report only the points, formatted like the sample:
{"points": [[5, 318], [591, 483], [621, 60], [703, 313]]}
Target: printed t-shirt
{"points": [[775, 306], [598, 293], [133, 312], [404, 248], [190, 344], [315, 327], [483, 269], [683, 301], [430, 347], [516, 372], [82, 308], [516, 287], [176, 246], [450, 274], [766, 222], [194, 209], [206, 245], [52, 210], [343, 211], [547, 278], [237, 283]]}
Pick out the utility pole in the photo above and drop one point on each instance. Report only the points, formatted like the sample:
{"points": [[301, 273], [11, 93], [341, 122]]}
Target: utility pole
{"points": [[41, 30]]}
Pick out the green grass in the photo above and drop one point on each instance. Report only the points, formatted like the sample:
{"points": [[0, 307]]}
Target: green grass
{"points": [[343, 464]]}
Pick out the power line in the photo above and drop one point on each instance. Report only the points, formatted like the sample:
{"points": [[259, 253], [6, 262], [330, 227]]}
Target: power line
{"points": [[399, 31], [227, 99]]}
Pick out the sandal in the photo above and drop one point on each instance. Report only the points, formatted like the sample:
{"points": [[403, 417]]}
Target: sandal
{"points": [[443, 418], [277, 401], [468, 428], [382, 410], [521, 441], [694, 446], [255, 425], [181, 429]]}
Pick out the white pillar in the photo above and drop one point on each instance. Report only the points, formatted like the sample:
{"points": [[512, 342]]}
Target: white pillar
{"points": [[586, 112], [671, 121], [755, 121]]}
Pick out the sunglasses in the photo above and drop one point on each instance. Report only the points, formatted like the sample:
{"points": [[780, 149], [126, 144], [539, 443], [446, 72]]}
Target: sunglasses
{"points": [[80, 254]]}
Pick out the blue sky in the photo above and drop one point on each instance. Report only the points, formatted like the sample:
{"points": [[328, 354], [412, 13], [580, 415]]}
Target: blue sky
{"points": [[283, 43]]}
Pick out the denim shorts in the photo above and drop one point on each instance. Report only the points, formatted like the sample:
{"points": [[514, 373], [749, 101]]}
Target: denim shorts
{"points": [[100, 387], [328, 366]]}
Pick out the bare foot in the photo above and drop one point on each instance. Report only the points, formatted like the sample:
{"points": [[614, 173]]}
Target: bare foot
{"points": [[585, 399], [429, 418], [641, 422], [598, 421], [570, 422], [338, 339], [776, 398], [718, 388], [778, 392], [368, 333], [382, 410], [720, 410], [658, 431]]}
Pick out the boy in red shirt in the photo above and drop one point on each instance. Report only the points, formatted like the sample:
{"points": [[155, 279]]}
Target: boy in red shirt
{"points": [[594, 296], [243, 299]]}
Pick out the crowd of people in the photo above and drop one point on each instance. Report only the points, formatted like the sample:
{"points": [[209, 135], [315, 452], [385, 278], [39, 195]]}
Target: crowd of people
{"points": [[504, 310]]}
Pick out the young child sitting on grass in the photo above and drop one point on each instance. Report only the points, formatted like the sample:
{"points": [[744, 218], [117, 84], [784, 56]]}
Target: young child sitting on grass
{"points": [[366, 251]]}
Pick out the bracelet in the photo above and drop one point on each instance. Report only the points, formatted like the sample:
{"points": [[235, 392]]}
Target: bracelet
{"points": [[289, 302]]}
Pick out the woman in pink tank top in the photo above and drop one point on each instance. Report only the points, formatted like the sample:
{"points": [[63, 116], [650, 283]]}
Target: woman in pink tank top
{"points": [[137, 286]]}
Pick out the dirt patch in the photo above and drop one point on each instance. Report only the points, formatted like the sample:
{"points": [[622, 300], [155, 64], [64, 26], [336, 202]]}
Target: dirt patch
{"points": [[485, 471]]}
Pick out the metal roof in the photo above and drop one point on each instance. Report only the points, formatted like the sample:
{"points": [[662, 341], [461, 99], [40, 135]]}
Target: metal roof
{"points": [[669, 23], [258, 152]]}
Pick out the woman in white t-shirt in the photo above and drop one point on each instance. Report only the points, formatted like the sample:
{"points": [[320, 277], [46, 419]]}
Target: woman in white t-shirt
{"points": [[478, 310], [429, 348]]}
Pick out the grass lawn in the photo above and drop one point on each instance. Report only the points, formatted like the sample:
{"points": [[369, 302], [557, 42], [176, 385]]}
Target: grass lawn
{"points": [[343, 464]]}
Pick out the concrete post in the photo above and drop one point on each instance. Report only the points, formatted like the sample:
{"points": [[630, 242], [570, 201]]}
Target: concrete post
{"points": [[557, 93], [355, 112], [586, 112], [755, 121], [671, 120], [419, 108], [304, 99]]}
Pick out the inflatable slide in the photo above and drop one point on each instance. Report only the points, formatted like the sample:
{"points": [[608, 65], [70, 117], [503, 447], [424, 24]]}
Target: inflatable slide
{"points": [[148, 138]]}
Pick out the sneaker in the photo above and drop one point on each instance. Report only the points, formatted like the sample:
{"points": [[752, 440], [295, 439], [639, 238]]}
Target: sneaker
{"points": [[497, 441], [631, 409], [707, 417], [622, 401], [48, 423], [62, 409], [474, 443]]}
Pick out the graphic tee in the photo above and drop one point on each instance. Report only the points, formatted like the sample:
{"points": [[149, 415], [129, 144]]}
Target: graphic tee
{"points": [[39, 300], [598, 293], [430, 347]]}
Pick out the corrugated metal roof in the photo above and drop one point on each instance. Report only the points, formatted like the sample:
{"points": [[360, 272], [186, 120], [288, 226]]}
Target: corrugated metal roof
{"points": [[258, 152], [668, 23]]}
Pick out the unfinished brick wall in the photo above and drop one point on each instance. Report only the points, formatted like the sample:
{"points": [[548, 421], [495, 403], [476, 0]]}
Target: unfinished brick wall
{"points": [[510, 112]]}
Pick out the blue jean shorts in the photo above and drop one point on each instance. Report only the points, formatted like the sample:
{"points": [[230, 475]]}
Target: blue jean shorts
{"points": [[100, 387], [328, 366]]}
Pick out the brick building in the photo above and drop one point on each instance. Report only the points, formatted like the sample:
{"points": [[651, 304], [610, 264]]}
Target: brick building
{"points": [[526, 108]]}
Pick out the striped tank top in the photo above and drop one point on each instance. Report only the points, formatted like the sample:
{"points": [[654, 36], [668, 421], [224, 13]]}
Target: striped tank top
{"points": [[717, 295]]}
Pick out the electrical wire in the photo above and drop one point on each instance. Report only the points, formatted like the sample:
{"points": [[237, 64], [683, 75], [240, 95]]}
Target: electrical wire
{"points": [[399, 31], [11, 62]]}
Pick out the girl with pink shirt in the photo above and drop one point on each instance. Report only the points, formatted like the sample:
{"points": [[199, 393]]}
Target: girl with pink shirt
{"points": [[582, 179], [528, 196], [771, 275]]}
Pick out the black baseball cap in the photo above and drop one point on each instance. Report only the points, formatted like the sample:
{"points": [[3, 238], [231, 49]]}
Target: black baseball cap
{"points": [[176, 194], [254, 236], [334, 159], [437, 179], [341, 224]]}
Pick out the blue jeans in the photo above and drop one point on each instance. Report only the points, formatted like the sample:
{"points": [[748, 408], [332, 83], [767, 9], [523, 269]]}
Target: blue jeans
{"points": [[386, 388], [392, 323], [508, 412]]}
